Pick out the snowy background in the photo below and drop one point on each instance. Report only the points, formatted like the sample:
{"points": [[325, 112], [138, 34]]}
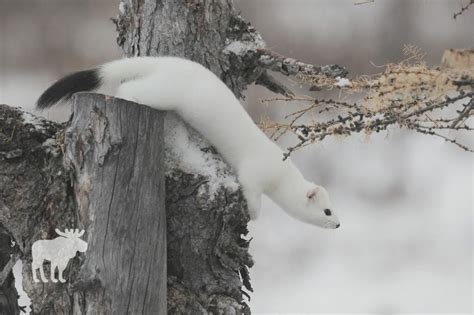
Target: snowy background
{"points": [[405, 201]]}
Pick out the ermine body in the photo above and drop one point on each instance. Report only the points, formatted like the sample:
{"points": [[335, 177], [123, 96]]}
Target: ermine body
{"points": [[209, 106]]}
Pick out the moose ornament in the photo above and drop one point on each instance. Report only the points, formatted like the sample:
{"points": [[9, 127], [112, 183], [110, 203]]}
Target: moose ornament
{"points": [[58, 251]]}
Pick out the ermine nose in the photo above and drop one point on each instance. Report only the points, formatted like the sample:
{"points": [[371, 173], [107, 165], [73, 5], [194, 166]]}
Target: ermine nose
{"points": [[338, 225]]}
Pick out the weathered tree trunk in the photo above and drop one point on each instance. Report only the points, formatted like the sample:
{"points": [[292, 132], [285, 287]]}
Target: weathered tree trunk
{"points": [[116, 151], [206, 216]]}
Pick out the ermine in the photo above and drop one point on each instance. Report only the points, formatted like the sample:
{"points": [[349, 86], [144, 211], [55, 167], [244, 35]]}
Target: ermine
{"points": [[210, 107]]}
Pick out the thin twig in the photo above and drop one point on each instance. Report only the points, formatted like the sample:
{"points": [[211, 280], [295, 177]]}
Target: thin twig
{"points": [[464, 8]]}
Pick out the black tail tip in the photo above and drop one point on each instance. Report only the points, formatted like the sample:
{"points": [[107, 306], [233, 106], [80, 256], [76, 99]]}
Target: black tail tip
{"points": [[64, 88]]}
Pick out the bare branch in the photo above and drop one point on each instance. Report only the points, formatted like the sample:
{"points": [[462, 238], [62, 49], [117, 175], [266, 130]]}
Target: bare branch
{"points": [[463, 115], [245, 50], [359, 2], [405, 95], [463, 8], [268, 81], [357, 119], [289, 66]]}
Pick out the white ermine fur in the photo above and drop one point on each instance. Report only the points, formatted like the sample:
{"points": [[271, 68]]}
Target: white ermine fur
{"points": [[209, 106]]}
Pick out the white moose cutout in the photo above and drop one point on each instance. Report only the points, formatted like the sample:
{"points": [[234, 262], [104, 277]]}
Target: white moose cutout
{"points": [[58, 251]]}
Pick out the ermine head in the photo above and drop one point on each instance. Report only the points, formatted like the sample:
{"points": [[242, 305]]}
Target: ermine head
{"points": [[306, 202], [317, 208]]}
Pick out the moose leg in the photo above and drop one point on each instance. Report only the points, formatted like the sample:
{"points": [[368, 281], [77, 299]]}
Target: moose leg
{"points": [[61, 266], [53, 269], [42, 276], [33, 270]]}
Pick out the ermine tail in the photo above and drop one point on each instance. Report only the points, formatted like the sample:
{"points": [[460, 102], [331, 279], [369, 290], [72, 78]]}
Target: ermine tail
{"points": [[64, 88], [110, 74]]}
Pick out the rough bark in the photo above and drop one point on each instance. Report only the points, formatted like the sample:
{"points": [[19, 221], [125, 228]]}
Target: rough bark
{"points": [[35, 194], [207, 217], [8, 293]]}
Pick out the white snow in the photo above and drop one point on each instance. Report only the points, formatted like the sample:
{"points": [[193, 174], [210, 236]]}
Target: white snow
{"points": [[183, 150], [122, 7], [241, 47], [343, 82], [51, 146], [32, 119], [38, 123], [23, 299]]}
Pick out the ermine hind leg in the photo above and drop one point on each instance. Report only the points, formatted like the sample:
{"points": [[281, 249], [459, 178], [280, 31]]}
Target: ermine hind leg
{"points": [[143, 91]]}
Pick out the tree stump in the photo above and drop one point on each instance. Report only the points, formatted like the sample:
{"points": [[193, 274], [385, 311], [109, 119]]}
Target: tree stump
{"points": [[116, 150]]}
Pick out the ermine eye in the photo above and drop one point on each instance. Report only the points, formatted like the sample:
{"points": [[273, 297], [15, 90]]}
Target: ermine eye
{"points": [[327, 212]]}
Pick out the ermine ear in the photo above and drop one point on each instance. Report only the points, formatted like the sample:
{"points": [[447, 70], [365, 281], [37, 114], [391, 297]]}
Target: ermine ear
{"points": [[312, 193]]}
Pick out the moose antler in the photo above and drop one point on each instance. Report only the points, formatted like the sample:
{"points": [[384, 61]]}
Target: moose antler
{"points": [[70, 233]]}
